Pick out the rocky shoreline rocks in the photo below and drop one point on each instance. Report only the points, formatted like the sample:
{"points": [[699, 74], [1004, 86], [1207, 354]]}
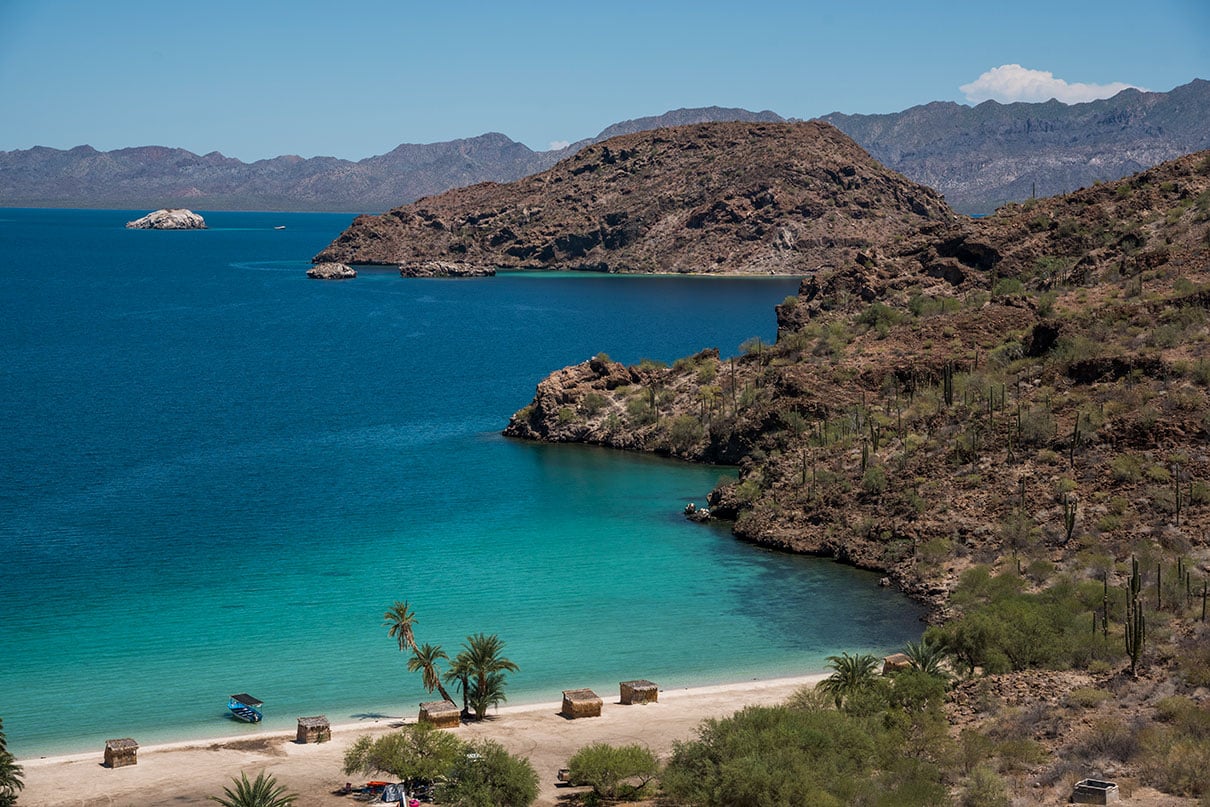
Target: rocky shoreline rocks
{"points": [[331, 271], [444, 269], [175, 218]]}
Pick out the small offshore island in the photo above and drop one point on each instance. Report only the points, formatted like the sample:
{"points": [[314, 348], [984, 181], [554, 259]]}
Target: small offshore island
{"points": [[176, 218]]}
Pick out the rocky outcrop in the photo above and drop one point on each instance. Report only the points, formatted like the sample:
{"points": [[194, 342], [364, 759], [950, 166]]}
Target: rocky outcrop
{"points": [[331, 271], [444, 269], [720, 198], [176, 218]]}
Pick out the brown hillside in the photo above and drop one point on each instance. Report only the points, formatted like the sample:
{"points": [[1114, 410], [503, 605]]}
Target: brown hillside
{"points": [[1089, 308], [709, 198]]}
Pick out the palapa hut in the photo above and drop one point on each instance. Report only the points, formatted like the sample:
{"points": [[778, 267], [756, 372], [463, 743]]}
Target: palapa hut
{"points": [[121, 752], [896, 662], [313, 730], [441, 714], [581, 703], [640, 691]]}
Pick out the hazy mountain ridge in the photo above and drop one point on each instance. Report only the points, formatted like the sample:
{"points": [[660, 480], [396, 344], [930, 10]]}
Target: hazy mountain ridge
{"points": [[983, 156], [978, 157], [158, 176]]}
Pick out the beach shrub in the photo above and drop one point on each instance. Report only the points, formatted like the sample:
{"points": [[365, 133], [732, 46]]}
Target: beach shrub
{"points": [[613, 772], [264, 792], [417, 751], [488, 776]]}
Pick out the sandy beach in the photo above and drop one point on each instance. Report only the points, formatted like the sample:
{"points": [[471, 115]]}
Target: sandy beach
{"points": [[187, 773]]}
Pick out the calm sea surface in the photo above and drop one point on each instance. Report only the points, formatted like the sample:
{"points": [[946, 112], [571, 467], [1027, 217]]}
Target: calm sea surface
{"points": [[216, 475]]}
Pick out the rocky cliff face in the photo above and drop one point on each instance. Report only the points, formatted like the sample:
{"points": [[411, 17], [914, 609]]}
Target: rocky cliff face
{"points": [[941, 399], [984, 156], [710, 198]]}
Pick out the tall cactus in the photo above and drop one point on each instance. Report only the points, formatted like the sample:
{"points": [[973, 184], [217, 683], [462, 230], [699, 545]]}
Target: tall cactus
{"points": [[1136, 623], [947, 381]]}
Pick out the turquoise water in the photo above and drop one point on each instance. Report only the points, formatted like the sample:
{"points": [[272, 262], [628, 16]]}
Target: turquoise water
{"points": [[216, 475]]}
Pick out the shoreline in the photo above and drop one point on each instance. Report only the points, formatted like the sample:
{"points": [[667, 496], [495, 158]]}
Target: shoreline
{"points": [[188, 771]]}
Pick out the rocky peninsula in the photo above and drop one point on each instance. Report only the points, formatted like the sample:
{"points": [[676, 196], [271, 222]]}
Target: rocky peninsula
{"points": [[176, 218], [713, 198]]}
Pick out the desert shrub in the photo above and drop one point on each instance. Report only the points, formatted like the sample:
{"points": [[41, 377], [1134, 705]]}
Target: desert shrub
{"points": [[874, 480], [1007, 286], [1175, 757], [1126, 468], [985, 788], [1037, 426], [707, 371], [1002, 627], [652, 364], [783, 756], [567, 415], [489, 776], [1087, 697], [593, 403], [613, 771], [640, 411], [685, 432]]}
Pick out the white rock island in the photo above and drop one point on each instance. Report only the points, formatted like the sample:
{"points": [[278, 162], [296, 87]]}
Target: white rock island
{"points": [[176, 218]]}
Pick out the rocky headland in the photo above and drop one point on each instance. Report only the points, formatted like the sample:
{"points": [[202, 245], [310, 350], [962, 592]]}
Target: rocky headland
{"points": [[175, 218], [716, 198], [922, 392]]}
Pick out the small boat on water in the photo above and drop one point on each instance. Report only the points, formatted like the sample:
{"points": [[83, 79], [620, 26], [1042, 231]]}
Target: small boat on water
{"points": [[245, 707], [280, 227]]}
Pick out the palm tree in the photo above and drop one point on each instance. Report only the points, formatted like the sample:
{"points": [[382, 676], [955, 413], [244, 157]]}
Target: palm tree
{"points": [[424, 660], [849, 674], [10, 773], [927, 657], [481, 658], [460, 674], [264, 792], [400, 621]]}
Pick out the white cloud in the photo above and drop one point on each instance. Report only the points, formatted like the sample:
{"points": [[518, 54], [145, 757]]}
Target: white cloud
{"points": [[1012, 82], [555, 145]]}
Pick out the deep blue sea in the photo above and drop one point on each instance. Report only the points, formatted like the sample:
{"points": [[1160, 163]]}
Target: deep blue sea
{"points": [[217, 474]]}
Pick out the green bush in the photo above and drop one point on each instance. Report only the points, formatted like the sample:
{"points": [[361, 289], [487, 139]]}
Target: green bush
{"points": [[489, 776], [783, 756], [613, 772], [593, 403], [1008, 286], [685, 432]]}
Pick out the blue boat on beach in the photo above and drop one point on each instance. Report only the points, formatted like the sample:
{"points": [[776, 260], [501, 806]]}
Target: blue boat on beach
{"points": [[244, 707]]}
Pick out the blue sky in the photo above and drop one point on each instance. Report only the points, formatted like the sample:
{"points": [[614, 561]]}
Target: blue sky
{"points": [[356, 78]]}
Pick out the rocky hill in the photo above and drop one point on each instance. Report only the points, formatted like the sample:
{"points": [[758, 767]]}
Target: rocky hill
{"points": [[154, 176], [984, 156], [957, 395], [784, 198]]}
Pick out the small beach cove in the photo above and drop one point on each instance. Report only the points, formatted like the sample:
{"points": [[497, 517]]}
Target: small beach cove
{"points": [[220, 474], [189, 772]]}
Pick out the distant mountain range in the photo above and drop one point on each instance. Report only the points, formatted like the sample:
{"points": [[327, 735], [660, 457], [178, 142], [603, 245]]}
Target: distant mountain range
{"points": [[154, 176], [983, 156], [978, 157]]}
